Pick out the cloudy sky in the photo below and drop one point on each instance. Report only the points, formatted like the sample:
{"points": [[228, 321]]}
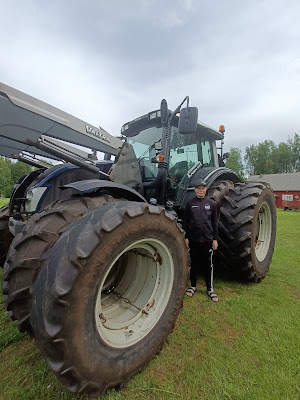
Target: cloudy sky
{"points": [[108, 62]]}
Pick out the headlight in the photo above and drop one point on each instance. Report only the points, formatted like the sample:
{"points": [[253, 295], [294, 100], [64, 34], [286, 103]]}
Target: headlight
{"points": [[33, 198]]}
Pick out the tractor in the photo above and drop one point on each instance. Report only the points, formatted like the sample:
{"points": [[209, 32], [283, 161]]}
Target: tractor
{"points": [[94, 259]]}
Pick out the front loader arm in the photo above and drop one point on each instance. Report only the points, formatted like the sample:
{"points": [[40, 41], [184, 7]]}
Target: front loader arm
{"points": [[24, 119], [33, 124]]}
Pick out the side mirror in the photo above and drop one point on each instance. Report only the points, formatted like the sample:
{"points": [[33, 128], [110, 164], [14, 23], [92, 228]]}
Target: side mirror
{"points": [[225, 156], [188, 120]]}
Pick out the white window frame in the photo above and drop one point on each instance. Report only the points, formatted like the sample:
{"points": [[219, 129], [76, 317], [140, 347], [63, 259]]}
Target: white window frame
{"points": [[287, 197]]}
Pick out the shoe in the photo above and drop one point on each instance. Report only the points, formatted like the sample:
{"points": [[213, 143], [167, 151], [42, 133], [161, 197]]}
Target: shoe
{"points": [[190, 292], [213, 296]]}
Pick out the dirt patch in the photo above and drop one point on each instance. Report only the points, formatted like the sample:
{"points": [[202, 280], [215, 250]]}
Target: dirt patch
{"points": [[228, 292], [25, 348], [227, 332], [293, 290], [229, 335]]}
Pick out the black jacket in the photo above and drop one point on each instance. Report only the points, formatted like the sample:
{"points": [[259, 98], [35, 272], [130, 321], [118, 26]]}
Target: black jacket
{"points": [[200, 220]]}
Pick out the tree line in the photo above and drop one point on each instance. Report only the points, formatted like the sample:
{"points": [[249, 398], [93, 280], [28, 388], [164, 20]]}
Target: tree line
{"points": [[266, 158], [10, 172]]}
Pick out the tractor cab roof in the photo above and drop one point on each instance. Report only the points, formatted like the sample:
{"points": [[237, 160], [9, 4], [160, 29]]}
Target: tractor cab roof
{"points": [[153, 119]]}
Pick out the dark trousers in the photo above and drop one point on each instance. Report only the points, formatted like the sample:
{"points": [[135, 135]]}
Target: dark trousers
{"points": [[201, 260]]}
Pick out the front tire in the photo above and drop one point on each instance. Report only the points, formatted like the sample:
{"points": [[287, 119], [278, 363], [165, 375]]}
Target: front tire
{"points": [[109, 294], [24, 259], [6, 236]]}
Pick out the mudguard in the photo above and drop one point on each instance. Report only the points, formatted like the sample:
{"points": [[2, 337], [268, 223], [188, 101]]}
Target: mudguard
{"points": [[102, 186], [210, 175]]}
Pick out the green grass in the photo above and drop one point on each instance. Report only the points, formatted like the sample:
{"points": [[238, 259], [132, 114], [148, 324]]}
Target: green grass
{"points": [[244, 347], [3, 201]]}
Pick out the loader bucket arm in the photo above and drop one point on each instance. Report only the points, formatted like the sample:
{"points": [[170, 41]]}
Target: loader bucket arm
{"points": [[25, 119], [12, 149]]}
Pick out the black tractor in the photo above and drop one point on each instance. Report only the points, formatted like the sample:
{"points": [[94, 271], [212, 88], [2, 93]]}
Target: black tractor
{"points": [[95, 259]]}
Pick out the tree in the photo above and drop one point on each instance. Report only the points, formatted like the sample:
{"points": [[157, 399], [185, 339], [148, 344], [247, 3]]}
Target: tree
{"points": [[18, 169], [10, 172], [234, 162], [6, 184], [295, 148], [259, 158], [267, 158], [282, 159]]}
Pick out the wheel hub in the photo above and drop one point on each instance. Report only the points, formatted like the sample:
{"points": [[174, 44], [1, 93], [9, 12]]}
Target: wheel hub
{"points": [[134, 293], [263, 231]]}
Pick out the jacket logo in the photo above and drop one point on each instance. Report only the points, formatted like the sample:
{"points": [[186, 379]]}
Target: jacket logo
{"points": [[207, 207]]}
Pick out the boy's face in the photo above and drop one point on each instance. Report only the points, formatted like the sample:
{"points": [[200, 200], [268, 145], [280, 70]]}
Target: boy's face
{"points": [[200, 191]]}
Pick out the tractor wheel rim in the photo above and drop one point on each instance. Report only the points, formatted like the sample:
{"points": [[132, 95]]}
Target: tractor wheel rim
{"points": [[263, 231], [134, 293]]}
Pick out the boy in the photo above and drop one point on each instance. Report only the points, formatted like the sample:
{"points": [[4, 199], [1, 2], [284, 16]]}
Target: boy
{"points": [[201, 227]]}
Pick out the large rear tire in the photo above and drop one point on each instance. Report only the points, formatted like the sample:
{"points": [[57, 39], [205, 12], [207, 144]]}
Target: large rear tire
{"points": [[109, 294], [218, 190], [6, 236], [24, 260], [247, 230]]}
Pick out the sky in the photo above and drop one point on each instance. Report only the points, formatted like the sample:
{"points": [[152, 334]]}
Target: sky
{"points": [[108, 62]]}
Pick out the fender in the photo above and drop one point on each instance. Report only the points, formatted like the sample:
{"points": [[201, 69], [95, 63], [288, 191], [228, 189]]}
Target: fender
{"points": [[210, 175], [97, 186], [19, 190]]}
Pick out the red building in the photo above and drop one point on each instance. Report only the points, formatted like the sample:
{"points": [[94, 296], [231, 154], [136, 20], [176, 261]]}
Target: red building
{"points": [[286, 188]]}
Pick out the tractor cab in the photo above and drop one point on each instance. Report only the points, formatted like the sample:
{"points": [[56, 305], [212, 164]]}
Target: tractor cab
{"points": [[188, 152]]}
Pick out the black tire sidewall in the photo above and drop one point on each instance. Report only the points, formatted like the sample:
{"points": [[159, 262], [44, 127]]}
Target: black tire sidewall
{"points": [[88, 348], [6, 236], [261, 267]]}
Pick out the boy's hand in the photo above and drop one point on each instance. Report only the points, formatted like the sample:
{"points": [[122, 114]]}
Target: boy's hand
{"points": [[215, 245]]}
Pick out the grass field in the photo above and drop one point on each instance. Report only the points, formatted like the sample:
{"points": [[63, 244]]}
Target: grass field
{"points": [[244, 347], [3, 201]]}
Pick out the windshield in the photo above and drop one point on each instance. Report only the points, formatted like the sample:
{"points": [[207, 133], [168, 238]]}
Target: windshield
{"points": [[185, 151], [144, 147]]}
